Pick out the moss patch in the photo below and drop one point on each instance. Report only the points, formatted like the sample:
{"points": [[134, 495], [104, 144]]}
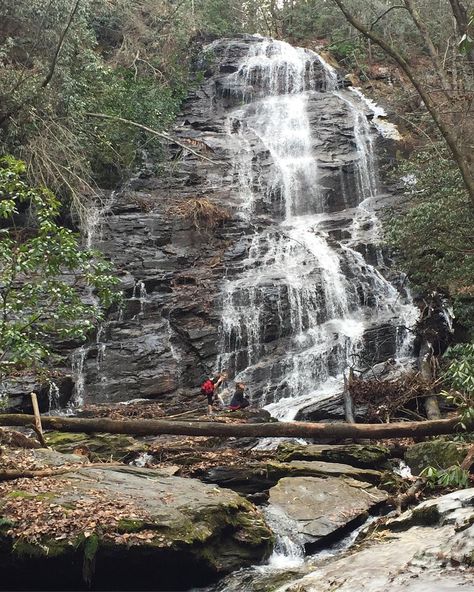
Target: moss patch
{"points": [[438, 453], [20, 494], [130, 525], [98, 446], [27, 495], [47, 548], [5, 523]]}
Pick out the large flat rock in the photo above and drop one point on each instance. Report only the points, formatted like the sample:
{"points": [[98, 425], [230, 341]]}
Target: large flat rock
{"points": [[258, 477], [124, 528], [322, 508], [359, 455]]}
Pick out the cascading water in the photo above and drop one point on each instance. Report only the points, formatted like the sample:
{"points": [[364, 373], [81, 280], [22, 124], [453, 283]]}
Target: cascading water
{"points": [[78, 359], [303, 302]]}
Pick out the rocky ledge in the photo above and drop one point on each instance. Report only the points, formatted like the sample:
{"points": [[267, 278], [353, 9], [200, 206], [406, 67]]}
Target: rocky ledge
{"points": [[429, 548], [115, 527]]}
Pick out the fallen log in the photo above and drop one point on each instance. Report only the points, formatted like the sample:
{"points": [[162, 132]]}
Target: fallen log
{"points": [[297, 429], [12, 474], [17, 440], [468, 461]]}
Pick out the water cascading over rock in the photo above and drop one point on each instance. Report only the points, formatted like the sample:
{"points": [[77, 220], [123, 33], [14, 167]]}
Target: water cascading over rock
{"points": [[293, 287], [298, 286]]}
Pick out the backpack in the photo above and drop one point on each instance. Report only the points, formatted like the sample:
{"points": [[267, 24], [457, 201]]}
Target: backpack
{"points": [[207, 387]]}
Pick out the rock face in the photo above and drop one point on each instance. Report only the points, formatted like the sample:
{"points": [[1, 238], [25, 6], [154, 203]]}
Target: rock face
{"points": [[122, 529], [283, 290], [436, 556], [322, 508]]}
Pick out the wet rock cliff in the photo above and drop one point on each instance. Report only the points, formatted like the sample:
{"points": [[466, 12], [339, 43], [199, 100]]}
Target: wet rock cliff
{"points": [[291, 285]]}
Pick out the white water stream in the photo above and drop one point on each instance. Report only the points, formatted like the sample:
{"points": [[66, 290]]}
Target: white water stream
{"points": [[293, 267]]}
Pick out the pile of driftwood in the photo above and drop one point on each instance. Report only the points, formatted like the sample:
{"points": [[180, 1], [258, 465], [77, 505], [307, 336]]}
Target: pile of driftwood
{"points": [[132, 410], [200, 212], [385, 399]]}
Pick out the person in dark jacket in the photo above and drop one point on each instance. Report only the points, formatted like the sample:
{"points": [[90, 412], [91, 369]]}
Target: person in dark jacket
{"points": [[239, 400]]}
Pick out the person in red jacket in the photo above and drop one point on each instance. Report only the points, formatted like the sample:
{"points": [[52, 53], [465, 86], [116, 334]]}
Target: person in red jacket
{"points": [[209, 389]]}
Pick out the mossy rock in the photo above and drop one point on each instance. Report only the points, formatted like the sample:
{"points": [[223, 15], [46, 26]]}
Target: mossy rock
{"points": [[192, 534], [48, 548], [438, 453], [130, 525], [358, 455], [98, 446], [5, 524]]}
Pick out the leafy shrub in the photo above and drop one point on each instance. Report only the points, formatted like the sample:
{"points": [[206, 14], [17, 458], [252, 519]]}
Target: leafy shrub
{"points": [[459, 376], [44, 276], [433, 238], [453, 477]]}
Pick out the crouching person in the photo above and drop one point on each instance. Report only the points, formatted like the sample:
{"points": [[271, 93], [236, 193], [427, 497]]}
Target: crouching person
{"points": [[239, 400]]}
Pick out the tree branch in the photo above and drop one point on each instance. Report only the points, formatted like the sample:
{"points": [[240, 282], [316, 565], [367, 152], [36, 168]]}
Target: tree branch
{"points": [[52, 67], [447, 131], [384, 13], [423, 29], [163, 135]]}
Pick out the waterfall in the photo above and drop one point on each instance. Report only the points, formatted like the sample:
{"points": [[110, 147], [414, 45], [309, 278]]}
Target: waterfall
{"points": [[53, 396], [139, 293], [78, 359], [288, 550], [304, 302]]}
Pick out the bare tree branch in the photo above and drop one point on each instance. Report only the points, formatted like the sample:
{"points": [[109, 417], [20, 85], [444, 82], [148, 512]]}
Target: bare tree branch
{"points": [[423, 29], [447, 131], [162, 135], [385, 13]]}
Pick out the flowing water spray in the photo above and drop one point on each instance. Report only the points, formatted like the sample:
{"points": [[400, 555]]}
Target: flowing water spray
{"points": [[53, 396], [78, 359], [317, 298]]}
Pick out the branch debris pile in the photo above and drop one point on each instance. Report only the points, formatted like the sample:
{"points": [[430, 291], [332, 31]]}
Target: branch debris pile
{"points": [[138, 410], [201, 213], [385, 398]]}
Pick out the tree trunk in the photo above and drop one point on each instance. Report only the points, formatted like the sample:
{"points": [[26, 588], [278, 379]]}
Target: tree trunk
{"points": [[348, 402], [12, 474], [335, 431], [468, 461], [462, 26], [425, 361]]}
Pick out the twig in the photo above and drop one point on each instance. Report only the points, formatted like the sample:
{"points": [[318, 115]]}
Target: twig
{"points": [[184, 413], [384, 13], [402, 501]]}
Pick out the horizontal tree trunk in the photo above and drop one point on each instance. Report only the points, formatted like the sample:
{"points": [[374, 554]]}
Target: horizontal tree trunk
{"points": [[12, 474], [152, 427]]}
